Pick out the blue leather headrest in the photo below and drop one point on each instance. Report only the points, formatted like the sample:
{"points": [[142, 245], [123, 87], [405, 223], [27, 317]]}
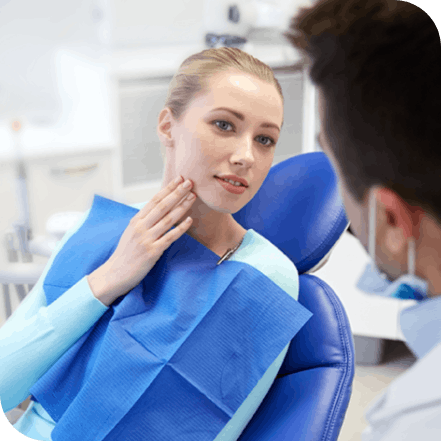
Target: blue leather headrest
{"points": [[326, 340], [298, 209]]}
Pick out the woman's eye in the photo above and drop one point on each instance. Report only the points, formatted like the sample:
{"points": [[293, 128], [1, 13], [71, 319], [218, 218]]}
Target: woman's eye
{"points": [[224, 125], [264, 140]]}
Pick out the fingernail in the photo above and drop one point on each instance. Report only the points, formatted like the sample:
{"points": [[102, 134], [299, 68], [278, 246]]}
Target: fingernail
{"points": [[191, 196], [187, 184], [178, 180]]}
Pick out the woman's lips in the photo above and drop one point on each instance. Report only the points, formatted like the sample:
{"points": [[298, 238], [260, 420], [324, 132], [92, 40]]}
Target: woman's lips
{"points": [[230, 187]]}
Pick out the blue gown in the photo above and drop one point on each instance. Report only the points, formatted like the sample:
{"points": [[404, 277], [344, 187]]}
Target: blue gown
{"points": [[235, 394]]}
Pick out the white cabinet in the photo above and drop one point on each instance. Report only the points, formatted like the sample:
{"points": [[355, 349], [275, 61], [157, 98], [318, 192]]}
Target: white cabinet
{"points": [[140, 104], [291, 136], [55, 184], [58, 184]]}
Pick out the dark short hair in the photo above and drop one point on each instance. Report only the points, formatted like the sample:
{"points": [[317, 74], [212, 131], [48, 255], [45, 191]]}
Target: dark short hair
{"points": [[377, 64]]}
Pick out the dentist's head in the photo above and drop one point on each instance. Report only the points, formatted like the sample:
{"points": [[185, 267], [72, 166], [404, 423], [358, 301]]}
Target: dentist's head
{"points": [[219, 127], [377, 66]]}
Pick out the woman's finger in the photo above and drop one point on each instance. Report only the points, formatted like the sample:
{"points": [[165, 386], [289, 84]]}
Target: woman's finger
{"points": [[162, 208], [167, 239], [158, 197], [170, 219]]}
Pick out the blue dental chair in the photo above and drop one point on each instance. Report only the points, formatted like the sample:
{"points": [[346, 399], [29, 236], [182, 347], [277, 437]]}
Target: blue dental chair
{"points": [[299, 210]]}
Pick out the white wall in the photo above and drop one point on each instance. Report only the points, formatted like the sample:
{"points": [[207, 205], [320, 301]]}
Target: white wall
{"points": [[141, 22]]}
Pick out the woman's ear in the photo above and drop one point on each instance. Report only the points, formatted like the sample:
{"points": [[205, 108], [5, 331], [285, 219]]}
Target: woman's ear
{"points": [[165, 122]]}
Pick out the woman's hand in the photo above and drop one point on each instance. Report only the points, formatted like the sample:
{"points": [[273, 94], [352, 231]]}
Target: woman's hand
{"points": [[143, 242]]}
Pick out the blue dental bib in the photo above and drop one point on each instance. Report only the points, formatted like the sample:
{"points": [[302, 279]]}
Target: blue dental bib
{"points": [[175, 357]]}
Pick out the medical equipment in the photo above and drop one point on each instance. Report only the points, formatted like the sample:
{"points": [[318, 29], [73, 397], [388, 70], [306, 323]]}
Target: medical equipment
{"points": [[35, 39], [237, 18], [176, 22]]}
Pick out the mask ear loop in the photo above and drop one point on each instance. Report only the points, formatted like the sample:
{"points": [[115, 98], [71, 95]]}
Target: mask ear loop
{"points": [[411, 257]]}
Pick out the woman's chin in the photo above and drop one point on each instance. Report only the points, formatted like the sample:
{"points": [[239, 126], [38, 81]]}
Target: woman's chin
{"points": [[226, 208], [222, 203]]}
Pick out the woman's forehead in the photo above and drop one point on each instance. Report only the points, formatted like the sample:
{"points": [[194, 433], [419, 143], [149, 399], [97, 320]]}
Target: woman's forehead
{"points": [[241, 81], [233, 89]]}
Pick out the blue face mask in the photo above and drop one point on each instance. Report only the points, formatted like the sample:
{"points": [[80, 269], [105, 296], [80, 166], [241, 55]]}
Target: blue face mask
{"points": [[406, 287]]}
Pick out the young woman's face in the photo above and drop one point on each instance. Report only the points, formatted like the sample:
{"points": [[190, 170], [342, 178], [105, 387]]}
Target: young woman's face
{"points": [[229, 132]]}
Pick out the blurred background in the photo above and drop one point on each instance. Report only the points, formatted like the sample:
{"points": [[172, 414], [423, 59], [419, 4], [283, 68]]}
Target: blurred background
{"points": [[81, 86]]}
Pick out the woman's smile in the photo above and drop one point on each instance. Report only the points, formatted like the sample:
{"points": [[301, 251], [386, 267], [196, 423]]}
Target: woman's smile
{"points": [[231, 185]]}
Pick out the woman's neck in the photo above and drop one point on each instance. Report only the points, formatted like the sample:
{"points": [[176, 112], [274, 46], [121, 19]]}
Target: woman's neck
{"points": [[215, 230]]}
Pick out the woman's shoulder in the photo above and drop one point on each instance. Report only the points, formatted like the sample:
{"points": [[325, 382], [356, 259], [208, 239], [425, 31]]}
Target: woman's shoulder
{"points": [[260, 253]]}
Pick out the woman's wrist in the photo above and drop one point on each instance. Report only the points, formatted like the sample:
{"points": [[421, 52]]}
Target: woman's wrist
{"points": [[103, 285]]}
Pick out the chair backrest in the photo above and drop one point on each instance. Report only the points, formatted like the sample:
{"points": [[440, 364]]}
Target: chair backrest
{"points": [[298, 209], [310, 396]]}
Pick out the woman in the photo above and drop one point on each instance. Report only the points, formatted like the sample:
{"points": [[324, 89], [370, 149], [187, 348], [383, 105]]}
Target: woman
{"points": [[219, 128]]}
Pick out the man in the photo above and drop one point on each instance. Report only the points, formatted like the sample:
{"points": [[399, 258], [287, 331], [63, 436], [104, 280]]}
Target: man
{"points": [[377, 67]]}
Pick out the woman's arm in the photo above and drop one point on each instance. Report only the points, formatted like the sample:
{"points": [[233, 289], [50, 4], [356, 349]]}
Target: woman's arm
{"points": [[36, 335]]}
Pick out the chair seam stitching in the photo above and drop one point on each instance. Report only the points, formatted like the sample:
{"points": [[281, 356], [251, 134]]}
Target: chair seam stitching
{"points": [[336, 402]]}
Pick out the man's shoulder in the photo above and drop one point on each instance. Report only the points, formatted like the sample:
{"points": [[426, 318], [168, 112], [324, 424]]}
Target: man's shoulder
{"points": [[410, 408], [421, 381], [416, 389]]}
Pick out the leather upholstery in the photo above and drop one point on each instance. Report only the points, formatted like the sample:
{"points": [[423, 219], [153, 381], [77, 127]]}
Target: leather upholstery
{"points": [[299, 209]]}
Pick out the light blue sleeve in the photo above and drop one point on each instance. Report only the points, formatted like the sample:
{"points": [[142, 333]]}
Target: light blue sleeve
{"points": [[36, 335], [269, 260]]}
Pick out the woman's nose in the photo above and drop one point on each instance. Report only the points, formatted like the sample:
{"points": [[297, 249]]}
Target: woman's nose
{"points": [[243, 151]]}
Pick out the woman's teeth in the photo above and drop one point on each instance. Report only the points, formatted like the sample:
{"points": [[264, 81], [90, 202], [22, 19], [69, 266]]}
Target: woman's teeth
{"points": [[237, 184]]}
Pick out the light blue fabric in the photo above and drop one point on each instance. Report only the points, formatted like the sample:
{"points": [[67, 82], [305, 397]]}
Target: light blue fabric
{"points": [[58, 327], [421, 325], [35, 336], [410, 407], [35, 423]]}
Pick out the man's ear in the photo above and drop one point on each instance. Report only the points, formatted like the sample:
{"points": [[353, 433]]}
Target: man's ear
{"points": [[401, 214], [165, 123]]}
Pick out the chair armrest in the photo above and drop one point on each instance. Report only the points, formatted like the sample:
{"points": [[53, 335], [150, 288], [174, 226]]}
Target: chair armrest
{"points": [[307, 406]]}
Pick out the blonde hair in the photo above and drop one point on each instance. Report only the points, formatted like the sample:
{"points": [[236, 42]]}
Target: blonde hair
{"points": [[195, 72]]}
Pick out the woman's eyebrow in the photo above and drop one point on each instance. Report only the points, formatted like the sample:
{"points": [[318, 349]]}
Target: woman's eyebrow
{"points": [[241, 117]]}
